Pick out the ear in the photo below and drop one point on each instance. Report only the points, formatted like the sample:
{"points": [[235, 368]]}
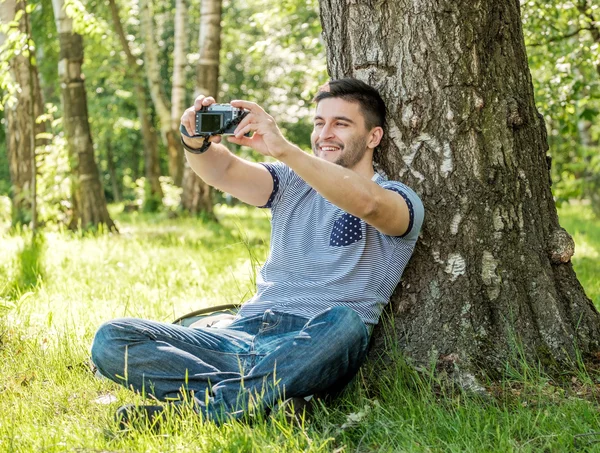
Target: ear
{"points": [[375, 137]]}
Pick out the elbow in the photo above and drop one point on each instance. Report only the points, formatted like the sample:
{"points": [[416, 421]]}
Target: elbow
{"points": [[370, 208]]}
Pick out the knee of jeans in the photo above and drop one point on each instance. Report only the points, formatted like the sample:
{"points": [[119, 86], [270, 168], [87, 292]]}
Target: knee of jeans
{"points": [[103, 345]]}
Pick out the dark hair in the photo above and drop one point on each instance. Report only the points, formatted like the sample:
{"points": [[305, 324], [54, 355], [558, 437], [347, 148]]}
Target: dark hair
{"points": [[354, 90]]}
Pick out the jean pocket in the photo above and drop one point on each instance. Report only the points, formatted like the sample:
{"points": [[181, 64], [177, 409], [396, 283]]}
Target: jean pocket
{"points": [[347, 230]]}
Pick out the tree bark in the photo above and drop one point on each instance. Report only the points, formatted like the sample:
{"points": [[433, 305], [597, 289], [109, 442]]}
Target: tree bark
{"points": [[492, 267], [21, 119], [176, 162], [168, 133], [89, 204], [196, 196], [112, 171], [154, 193]]}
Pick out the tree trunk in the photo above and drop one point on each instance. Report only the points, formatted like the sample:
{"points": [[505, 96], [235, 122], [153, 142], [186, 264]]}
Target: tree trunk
{"points": [[112, 171], [154, 194], [21, 119], [196, 196], [176, 162], [168, 134], [492, 267], [89, 204]]}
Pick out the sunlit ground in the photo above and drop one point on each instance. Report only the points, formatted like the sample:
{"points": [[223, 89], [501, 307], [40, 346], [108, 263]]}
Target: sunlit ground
{"points": [[55, 292]]}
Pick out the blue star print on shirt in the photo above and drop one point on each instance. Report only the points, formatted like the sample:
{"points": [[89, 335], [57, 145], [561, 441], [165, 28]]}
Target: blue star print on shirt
{"points": [[346, 230]]}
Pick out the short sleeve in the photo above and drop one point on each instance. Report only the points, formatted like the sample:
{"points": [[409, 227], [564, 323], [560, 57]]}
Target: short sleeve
{"points": [[281, 174], [415, 208]]}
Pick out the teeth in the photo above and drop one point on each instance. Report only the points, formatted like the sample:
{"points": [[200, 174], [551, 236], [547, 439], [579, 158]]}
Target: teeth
{"points": [[329, 148]]}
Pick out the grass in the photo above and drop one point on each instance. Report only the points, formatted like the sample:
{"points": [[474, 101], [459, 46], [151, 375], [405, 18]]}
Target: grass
{"points": [[57, 289]]}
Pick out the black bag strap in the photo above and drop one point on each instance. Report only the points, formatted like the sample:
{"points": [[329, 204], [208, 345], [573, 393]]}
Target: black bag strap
{"points": [[206, 311]]}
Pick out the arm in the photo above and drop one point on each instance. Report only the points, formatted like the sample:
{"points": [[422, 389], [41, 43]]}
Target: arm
{"points": [[383, 209], [219, 168]]}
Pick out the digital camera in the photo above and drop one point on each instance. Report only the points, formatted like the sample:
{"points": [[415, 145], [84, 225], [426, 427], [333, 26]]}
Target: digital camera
{"points": [[217, 119]]}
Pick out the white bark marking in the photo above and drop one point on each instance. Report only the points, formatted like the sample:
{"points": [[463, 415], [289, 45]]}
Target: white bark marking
{"points": [[521, 222], [436, 257], [407, 114], [455, 224], [447, 165], [396, 135], [523, 177], [456, 266], [497, 220], [64, 24], [489, 276]]}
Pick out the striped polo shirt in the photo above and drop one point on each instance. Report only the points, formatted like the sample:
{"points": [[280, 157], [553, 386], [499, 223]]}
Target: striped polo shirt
{"points": [[322, 257]]}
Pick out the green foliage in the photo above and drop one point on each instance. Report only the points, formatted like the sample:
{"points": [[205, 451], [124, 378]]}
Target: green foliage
{"points": [[578, 219], [53, 180], [273, 56], [4, 171], [564, 57], [43, 31], [15, 44], [28, 267]]}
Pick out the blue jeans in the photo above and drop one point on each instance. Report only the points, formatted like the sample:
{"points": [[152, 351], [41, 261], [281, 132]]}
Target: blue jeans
{"points": [[255, 361]]}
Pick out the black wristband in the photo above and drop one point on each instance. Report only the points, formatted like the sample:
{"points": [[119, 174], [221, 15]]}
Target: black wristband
{"points": [[200, 150]]}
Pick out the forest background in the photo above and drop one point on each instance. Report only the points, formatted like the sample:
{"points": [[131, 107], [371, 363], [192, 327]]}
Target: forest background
{"points": [[270, 53]]}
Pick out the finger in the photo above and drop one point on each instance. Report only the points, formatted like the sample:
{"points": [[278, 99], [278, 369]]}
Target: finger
{"points": [[188, 120], [242, 141], [247, 120], [252, 106], [243, 131], [198, 102], [208, 101], [215, 139]]}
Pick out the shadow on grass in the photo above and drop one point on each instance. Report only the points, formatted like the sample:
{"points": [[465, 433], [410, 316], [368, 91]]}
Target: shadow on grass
{"points": [[29, 264]]}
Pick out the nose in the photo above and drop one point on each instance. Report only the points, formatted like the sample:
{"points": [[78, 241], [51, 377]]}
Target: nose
{"points": [[326, 132]]}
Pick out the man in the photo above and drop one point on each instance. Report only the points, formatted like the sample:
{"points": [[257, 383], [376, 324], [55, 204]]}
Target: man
{"points": [[341, 237]]}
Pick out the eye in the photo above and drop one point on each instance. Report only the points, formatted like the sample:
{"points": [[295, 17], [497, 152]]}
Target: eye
{"points": [[341, 124], [318, 123]]}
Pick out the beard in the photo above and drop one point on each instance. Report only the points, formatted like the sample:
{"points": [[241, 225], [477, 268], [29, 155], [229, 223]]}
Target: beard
{"points": [[350, 155]]}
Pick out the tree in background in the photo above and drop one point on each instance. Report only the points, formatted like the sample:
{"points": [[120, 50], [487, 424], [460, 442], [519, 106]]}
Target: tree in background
{"points": [[157, 86], [492, 273], [178, 90], [153, 190], [196, 196], [88, 202], [563, 39], [22, 110], [272, 55]]}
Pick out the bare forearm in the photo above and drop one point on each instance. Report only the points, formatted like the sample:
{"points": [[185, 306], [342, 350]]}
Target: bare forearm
{"points": [[344, 188], [212, 165]]}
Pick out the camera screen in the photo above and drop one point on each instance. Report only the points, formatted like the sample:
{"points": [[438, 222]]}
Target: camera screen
{"points": [[210, 122]]}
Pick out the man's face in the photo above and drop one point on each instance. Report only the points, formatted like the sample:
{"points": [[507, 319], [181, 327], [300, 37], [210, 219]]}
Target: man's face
{"points": [[339, 134]]}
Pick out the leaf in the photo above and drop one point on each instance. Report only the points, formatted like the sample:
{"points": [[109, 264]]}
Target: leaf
{"points": [[107, 398], [589, 114]]}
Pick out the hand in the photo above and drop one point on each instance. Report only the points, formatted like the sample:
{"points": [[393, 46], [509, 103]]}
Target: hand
{"points": [[188, 120], [266, 138]]}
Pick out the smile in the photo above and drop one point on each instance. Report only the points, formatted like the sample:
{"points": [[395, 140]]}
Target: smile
{"points": [[330, 148]]}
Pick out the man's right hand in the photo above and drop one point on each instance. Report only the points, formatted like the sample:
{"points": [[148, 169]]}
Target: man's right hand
{"points": [[188, 121]]}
